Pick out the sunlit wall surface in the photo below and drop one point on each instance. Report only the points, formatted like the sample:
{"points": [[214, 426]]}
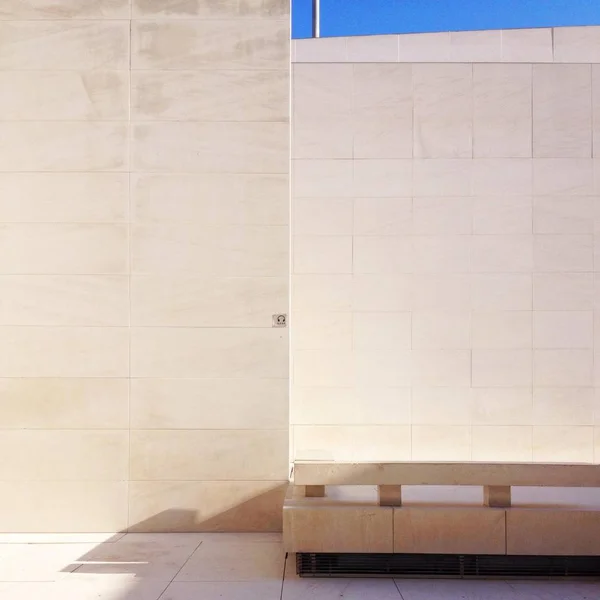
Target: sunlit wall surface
{"points": [[143, 252], [446, 247]]}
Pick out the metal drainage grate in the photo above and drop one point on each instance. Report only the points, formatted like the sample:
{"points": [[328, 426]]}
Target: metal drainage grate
{"points": [[446, 565]]}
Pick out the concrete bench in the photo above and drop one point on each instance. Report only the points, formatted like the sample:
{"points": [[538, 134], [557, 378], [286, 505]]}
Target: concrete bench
{"points": [[352, 519]]}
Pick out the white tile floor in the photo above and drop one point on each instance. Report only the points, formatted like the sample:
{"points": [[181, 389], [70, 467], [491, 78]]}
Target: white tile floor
{"points": [[215, 567]]}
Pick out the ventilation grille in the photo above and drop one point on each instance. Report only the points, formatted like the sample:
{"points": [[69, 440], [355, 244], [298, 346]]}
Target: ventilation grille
{"points": [[447, 565]]}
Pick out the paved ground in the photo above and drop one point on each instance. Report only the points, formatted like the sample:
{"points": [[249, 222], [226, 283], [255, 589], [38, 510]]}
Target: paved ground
{"points": [[214, 567]]}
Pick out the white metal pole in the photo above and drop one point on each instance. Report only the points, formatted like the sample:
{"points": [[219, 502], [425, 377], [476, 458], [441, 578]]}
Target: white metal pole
{"points": [[317, 18]]}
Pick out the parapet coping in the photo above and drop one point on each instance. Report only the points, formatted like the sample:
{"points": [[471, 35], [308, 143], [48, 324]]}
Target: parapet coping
{"points": [[579, 45]]}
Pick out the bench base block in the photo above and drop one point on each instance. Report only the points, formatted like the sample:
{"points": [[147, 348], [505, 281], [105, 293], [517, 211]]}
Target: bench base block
{"points": [[330, 525], [449, 530], [553, 532]]}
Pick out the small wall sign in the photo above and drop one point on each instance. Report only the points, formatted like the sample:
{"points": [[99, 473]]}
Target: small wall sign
{"points": [[279, 320]]}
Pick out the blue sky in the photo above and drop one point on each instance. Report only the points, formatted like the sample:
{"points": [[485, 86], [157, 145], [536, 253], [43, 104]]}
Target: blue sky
{"points": [[365, 17]]}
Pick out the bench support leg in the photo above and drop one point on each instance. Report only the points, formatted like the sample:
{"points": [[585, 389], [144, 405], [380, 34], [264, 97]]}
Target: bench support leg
{"points": [[314, 491], [497, 496], [390, 495]]}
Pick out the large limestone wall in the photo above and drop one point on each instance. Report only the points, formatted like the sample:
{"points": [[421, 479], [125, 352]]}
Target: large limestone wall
{"points": [[446, 195], [143, 252]]}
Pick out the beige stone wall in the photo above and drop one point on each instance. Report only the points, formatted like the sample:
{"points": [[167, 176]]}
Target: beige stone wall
{"points": [[143, 252], [445, 247]]}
